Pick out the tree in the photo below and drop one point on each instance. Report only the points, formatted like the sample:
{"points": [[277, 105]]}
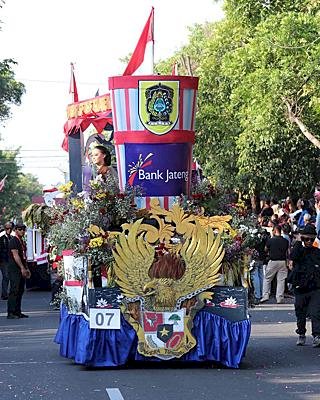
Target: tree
{"points": [[259, 97], [217, 126], [276, 76], [18, 189], [10, 90]]}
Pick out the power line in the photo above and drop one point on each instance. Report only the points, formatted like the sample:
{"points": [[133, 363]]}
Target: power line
{"points": [[45, 156], [60, 82], [42, 166], [20, 150], [12, 163]]}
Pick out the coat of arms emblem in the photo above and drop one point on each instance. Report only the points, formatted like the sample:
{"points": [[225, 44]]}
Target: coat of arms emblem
{"points": [[158, 105], [164, 271]]}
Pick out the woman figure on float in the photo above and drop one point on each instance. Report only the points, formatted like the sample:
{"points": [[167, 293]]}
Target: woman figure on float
{"points": [[101, 158]]}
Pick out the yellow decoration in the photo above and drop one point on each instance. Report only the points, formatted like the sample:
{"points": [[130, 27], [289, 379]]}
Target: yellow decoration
{"points": [[96, 242], [94, 230], [161, 284], [219, 222], [101, 196], [163, 234], [66, 188], [97, 104], [77, 203]]}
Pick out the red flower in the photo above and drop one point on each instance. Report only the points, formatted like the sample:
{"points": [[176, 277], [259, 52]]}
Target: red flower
{"points": [[197, 196]]}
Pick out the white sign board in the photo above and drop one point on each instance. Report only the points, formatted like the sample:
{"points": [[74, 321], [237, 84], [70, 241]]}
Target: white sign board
{"points": [[105, 318]]}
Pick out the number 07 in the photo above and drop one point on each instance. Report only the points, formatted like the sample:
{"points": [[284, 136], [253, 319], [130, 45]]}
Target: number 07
{"points": [[105, 319], [110, 315], [100, 318]]}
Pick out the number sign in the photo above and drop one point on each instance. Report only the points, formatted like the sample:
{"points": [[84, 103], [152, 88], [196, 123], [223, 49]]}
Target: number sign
{"points": [[104, 318]]}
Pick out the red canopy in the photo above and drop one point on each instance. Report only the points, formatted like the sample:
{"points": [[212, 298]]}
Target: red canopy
{"points": [[95, 111], [98, 120]]}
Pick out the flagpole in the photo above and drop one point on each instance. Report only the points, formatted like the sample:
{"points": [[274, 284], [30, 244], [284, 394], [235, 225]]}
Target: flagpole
{"points": [[152, 28], [139, 53], [73, 85]]}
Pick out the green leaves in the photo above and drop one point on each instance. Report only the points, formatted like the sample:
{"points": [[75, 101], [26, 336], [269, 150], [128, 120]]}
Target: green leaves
{"points": [[10, 90], [264, 53], [245, 135], [18, 189]]}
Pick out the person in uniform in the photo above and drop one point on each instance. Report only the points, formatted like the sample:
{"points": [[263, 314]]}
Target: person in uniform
{"points": [[305, 279], [18, 272], [5, 237]]}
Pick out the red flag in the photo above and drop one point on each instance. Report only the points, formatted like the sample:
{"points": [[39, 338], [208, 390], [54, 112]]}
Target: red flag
{"points": [[73, 86], [2, 182], [175, 69], [139, 52]]}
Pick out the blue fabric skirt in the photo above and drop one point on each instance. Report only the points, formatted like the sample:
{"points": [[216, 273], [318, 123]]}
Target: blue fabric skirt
{"points": [[218, 340]]}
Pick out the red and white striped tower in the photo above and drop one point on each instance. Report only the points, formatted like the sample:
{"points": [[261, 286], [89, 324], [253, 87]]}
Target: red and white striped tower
{"points": [[154, 133]]}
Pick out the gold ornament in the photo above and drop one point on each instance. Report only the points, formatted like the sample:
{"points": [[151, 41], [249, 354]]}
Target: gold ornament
{"points": [[163, 272]]}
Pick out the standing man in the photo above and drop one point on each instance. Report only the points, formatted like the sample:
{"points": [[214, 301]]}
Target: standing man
{"points": [[5, 237], [277, 247], [305, 280], [260, 260], [18, 272]]}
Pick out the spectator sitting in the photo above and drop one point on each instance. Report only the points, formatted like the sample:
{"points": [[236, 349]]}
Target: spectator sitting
{"points": [[306, 219], [286, 230], [294, 216], [304, 208], [263, 221], [275, 206], [274, 221], [267, 210], [284, 219]]}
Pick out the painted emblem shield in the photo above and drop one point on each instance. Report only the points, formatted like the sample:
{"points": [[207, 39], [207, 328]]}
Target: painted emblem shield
{"points": [[158, 105], [164, 332], [165, 335]]}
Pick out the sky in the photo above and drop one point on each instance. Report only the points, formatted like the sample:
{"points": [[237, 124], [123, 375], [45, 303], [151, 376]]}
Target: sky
{"points": [[45, 36]]}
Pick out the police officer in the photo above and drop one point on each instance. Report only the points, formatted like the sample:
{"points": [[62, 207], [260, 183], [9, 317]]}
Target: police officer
{"points": [[305, 279], [5, 237], [18, 272]]}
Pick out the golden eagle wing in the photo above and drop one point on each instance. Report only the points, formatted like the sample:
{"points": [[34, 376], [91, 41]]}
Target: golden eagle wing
{"points": [[133, 259], [202, 254]]}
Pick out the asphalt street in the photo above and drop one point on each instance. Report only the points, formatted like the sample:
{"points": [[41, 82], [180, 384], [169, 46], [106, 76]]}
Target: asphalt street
{"points": [[274, 367]]}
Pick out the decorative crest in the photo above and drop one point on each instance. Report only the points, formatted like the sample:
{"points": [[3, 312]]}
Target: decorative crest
{"points": [[163, 267]]}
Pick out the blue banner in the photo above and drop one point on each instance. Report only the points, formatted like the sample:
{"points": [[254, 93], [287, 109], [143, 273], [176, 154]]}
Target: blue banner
{"points": [[160, 169]]}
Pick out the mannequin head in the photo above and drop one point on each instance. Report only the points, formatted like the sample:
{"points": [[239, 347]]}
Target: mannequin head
{"points": [[101, 156]]}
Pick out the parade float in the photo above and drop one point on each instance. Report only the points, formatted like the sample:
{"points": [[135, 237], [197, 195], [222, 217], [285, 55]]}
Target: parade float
{"points": [[149, 274], [144, 267]]}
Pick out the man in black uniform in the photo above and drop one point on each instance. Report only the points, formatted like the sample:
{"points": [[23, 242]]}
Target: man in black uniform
{"points": [[5, 237], [18, 272], [305, 279]]}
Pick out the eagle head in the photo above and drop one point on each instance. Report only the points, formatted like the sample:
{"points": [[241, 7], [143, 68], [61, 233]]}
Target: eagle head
{"points": [[163, 291]]}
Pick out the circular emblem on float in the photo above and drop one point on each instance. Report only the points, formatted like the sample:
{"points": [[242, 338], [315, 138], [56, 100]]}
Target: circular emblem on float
{"points": [[158, 105]]}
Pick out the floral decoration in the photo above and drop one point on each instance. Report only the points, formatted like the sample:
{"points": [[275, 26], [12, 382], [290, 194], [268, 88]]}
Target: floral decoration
{"points": [[83, 221]]}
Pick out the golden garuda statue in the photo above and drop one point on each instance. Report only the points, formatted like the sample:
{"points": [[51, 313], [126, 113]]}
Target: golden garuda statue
{"points": [[163, 269]]}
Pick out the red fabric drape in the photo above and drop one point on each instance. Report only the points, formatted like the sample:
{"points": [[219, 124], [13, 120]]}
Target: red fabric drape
{"points": [[99, 121]]}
